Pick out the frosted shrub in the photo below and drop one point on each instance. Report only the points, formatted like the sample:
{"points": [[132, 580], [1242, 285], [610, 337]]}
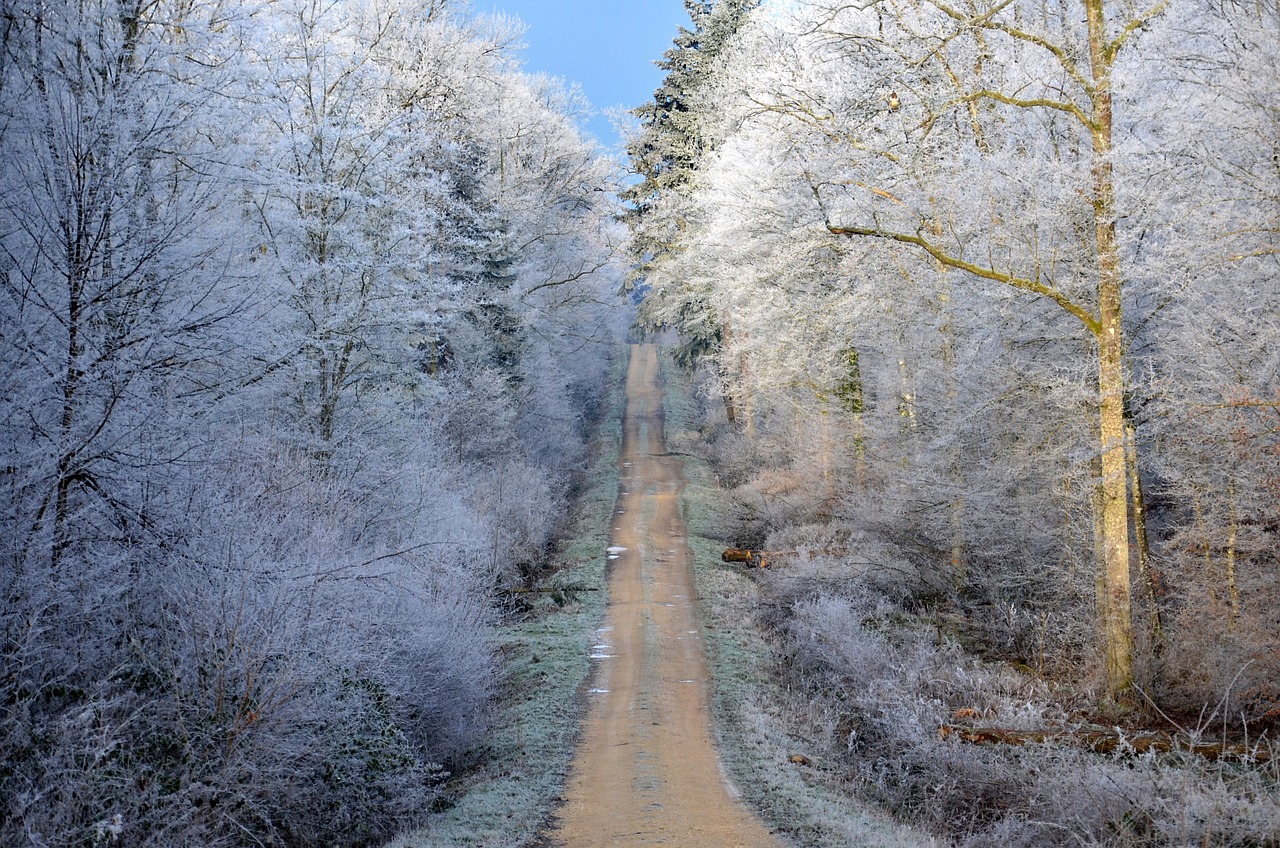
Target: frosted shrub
{"points": [[519, 506], [874, 695], [441, 670], [362, 777], [845, 555], [827, 635], [278, 674], [303, 735]]}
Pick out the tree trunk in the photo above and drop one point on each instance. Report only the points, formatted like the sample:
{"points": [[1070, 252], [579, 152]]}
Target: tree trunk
{"points": [[79, 251], [1117, 625], [959, 568], [1233, 588], [1146, 569], [730, 405]]}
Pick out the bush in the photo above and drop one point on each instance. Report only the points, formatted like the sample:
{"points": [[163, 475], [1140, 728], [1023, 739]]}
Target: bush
{"points": [[269, 676], [873, 694]]}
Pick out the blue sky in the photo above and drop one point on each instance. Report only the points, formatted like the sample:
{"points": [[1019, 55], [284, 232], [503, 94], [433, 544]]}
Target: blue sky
{"points": [[606, 46]]}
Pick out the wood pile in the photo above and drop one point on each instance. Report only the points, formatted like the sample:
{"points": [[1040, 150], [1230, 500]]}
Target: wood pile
{"points": [[761, 559]]}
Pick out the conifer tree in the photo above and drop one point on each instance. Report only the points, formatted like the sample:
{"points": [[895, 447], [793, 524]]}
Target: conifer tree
{"points": [[665, 155]]}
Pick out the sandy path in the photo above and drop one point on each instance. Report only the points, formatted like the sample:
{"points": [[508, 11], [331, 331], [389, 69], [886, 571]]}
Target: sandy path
{"points": [[646, 772]]}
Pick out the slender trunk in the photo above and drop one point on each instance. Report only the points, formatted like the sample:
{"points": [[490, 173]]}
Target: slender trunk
{"points": [[726, 345], [1233, 589], [66, 459], [1146, 569], [906, 399], [1206, 547], [852, 395], [78, 271], [737, 390], [825, 448], [1117, 621], [959, 568]]}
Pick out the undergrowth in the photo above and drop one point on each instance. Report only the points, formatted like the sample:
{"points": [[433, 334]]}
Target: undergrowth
{"points": [[506, 799], [800, 801]]}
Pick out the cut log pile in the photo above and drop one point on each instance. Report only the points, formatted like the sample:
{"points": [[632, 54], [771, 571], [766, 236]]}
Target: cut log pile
{"points": [[1109, 740]]}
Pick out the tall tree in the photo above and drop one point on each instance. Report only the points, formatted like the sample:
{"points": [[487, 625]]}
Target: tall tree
{"points": [[1078, 61], [114, 282], [670, 143]]}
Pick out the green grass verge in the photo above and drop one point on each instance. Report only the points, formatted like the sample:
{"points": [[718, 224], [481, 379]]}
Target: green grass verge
{"points": [[798, 802], [507, 800]]}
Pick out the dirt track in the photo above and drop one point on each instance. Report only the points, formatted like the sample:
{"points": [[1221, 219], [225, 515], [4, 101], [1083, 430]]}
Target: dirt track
{"points": [[646, 772]]}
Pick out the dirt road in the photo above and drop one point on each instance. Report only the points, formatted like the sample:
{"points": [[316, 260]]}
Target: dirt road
{"points": [[646, 772]]}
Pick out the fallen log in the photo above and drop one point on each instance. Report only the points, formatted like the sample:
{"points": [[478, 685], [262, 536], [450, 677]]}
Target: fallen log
{"points": [[1107, 741], [759, 559]]}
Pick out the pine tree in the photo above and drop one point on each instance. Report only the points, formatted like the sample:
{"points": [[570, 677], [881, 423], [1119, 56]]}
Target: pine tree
{"points": [[665, 155]]}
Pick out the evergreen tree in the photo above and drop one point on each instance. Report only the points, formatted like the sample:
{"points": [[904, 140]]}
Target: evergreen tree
{"points": [[665, 154]]}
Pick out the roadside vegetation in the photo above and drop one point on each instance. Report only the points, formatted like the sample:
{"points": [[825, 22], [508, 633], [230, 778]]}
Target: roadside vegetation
{"points": [[304, 309], [845, 683], [757, 740], [980, 302], [505, 800]]}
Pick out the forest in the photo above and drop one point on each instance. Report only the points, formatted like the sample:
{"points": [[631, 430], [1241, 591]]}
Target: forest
{"points": [[983, 298], [308, 311], [304, 313]]}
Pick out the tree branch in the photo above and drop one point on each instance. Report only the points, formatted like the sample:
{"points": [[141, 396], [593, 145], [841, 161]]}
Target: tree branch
{"points": [[985, 21], [1093, 324], [1043, 102], [1130, 28]]}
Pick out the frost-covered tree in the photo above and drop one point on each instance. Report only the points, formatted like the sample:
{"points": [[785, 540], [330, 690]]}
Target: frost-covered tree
{"points": [[990, 221], [257, 264], [115, 280], [944, 112], [1004, 62], [361, 215], [671, 138]]}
